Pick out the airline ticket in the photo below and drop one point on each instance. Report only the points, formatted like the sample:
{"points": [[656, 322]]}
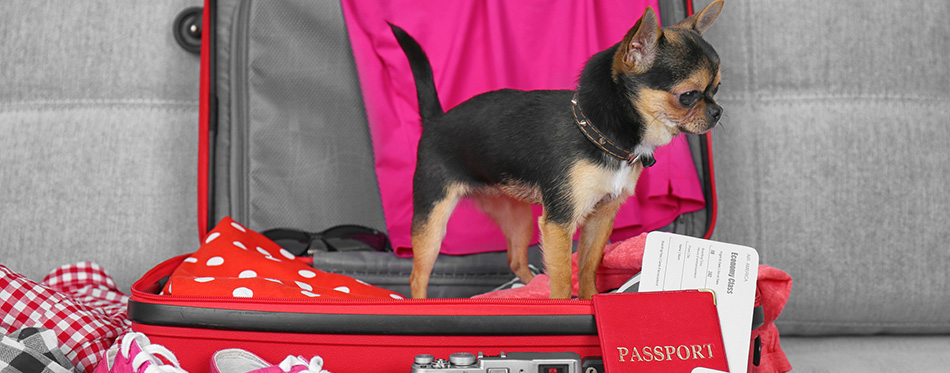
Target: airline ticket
{"points": [[677, 262]]}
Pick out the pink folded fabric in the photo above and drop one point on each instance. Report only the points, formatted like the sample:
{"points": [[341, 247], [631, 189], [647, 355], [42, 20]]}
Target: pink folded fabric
{"points": [[774, 286], [621, 261], [477, 46]]}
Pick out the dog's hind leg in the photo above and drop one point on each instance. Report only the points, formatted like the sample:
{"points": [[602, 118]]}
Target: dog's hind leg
{"points": [[514, 219], [429, 222]]}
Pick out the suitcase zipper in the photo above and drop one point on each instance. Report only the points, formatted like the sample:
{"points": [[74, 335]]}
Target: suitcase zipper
{"points": [[357, 316], [148, 285], [362, 302], [468, 317], [239, 113]]}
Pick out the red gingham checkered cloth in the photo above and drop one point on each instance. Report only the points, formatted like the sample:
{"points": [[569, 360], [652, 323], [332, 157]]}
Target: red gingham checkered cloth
{"points": [[79, 302]]}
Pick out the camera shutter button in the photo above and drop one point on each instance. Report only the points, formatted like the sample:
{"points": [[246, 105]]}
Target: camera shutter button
{"points": [[462, 358]]}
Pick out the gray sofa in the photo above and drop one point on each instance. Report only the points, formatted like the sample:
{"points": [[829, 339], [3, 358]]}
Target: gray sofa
{"points": [[833, 158], [833, 163]]}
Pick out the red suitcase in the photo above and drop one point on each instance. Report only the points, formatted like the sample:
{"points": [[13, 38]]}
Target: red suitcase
{"points": [[285, 138], [353, 335], [356, 336]]}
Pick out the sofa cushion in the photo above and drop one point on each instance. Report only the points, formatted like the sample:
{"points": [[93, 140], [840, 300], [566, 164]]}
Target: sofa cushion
{"points": [[860, 354], [98, 136], [832, 158]]}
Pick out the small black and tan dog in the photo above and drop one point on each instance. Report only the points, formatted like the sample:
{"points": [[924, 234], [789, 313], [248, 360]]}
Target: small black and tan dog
{"points": [[578, 154]]}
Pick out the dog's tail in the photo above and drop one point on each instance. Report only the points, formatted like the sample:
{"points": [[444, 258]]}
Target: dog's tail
{"points": [[429, 106]]}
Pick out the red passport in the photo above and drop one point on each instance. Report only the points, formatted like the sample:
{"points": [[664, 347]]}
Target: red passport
{"points": [[673, 331]]}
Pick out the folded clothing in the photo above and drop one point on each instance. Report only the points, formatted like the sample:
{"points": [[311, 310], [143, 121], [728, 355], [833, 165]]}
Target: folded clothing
{"points": [[235, 261], [33, 350], [621, 261], [78, 302]]}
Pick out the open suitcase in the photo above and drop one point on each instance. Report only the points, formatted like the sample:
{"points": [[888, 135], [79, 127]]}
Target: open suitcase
{"points": [[318, 173]]}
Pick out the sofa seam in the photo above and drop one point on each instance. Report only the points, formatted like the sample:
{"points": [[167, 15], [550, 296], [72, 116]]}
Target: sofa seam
{"points": [[861, 323], [835, 97], [79, 104]]}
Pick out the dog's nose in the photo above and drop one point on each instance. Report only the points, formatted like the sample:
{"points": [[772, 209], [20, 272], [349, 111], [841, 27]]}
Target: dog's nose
{"points": [[714, 111]]}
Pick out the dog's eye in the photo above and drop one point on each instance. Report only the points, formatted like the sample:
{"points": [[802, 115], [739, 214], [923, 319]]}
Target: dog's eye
{"points": [[689, 98], [716, 89]]}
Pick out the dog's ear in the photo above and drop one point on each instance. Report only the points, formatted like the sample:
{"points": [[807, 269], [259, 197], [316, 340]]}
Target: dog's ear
{"points": [[702, 20], [638, 49]]}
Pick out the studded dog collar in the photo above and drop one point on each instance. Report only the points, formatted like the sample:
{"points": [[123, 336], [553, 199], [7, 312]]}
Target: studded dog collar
{"points": [[601, 141]]}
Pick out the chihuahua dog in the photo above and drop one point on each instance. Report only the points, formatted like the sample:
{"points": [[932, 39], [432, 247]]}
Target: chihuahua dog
{"points": [[577, 153]]}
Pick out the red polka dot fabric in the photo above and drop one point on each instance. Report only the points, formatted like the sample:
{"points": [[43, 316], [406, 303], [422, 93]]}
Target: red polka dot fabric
{"points": [[237, 262]]}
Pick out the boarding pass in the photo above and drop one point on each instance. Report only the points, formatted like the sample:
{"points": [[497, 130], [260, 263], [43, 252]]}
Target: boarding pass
{"points": [[677, 262]]}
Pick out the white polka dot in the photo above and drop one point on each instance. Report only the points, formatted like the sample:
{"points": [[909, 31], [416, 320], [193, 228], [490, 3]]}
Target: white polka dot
{"points": [[191, 260], [247, 274], [287, 254], [169, 289], [211, 237], [204, 279], [342, 289], [274, 280], [238, 227], [215, 261], [242, 292], [307, 273], [304, 285], [363, 282], [309, 294], [239, 244], [272, 258], [396, 296], [262, 251]]}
